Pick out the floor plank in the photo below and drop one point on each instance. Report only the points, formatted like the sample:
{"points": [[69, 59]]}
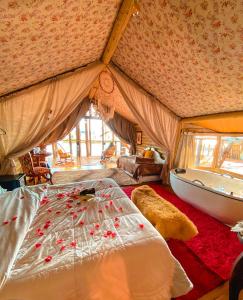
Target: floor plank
{"points": [[220, 293]]}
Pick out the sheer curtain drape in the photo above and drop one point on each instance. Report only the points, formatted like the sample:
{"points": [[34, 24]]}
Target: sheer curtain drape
{"points": [[69, 123], [29, 117], [185, 157], [124, 129], [159, 124]]}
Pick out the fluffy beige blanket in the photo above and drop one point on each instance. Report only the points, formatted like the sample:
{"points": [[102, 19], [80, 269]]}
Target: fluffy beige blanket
{"points": [[167, 219]]}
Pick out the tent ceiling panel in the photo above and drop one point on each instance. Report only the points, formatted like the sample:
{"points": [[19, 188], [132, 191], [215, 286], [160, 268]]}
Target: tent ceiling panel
{"points": [[187, 54], [40, 39]]}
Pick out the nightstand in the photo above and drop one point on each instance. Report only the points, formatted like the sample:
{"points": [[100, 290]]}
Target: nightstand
{"points": [[11, 182]]}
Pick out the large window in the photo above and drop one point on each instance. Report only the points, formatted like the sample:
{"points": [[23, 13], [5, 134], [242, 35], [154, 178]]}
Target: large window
{"points": [[223, 153], [90, 138]]}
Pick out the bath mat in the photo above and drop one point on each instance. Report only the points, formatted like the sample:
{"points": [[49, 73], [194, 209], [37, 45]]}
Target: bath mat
{"points": [[215, 248], [166, 218]]}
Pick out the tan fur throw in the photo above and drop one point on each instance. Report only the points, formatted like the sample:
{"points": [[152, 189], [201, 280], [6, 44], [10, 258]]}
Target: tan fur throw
{"points": [[167, 219]]}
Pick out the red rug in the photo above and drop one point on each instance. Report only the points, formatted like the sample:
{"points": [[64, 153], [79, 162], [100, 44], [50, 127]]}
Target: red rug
{"points": [[207, 258]]}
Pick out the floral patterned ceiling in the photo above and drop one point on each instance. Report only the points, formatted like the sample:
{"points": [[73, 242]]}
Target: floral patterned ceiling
{"points": [[43, 38], [187, 53]]}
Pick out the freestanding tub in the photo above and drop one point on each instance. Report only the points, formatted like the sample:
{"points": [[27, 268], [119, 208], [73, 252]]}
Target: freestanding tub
{"points": [[220, 196]]}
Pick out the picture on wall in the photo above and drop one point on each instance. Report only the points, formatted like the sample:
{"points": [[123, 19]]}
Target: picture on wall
{"points": [[139, 137]]}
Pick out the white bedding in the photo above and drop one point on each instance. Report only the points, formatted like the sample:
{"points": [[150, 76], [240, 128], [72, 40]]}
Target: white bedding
{"points": [[132, 263]]}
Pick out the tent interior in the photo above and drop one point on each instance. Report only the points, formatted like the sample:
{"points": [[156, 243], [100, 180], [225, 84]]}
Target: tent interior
{"points": [[154, 88]]}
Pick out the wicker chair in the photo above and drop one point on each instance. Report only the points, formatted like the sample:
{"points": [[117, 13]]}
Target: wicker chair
{"points": [[108, 153], [34, 172]]}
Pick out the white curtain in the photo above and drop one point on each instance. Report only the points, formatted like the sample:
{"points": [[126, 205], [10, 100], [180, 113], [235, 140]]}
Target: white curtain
{"points": [[159, 124], [30, 116], [186, 151]]}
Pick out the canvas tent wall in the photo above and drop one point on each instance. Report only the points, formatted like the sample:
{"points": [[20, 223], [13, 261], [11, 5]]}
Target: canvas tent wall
{"points": [[184, 55]]}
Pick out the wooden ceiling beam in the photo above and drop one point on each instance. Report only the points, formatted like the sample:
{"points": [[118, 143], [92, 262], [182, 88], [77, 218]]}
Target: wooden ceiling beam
{"points": [[128, 7]]}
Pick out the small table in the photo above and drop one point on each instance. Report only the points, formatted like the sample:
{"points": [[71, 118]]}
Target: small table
{"points": [[236, 280], [11, 182]]}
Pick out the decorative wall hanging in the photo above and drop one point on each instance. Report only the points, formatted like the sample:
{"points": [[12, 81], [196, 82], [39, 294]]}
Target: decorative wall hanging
{"points": [[104, 96]]}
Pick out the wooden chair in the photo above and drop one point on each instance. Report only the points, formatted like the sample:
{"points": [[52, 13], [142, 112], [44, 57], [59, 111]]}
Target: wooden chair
{"points": [[108, 153], [34, 172], [63, 156]]}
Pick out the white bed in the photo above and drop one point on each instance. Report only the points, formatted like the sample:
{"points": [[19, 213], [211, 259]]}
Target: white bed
{"points": [[132, 262]]}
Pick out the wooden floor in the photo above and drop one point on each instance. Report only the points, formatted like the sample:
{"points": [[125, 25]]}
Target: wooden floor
{"points": [[220, 293], [91, 163]]}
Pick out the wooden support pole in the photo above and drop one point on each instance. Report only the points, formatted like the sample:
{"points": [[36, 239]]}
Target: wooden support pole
{"points": [[128, 7]]}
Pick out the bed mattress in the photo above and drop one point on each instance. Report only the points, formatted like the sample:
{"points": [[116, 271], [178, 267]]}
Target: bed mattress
{"points": [[54, 246]]}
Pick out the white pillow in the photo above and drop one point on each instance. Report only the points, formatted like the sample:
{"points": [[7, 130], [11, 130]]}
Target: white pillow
{"points": [[157, 158]]}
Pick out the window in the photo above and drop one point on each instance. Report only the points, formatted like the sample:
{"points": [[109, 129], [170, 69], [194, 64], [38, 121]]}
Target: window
{"points": [[205, 147], [223, 153], [231, 154]]}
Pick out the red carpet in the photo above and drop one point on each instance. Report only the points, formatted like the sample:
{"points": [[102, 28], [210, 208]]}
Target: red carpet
{"points": [[207, 258]]}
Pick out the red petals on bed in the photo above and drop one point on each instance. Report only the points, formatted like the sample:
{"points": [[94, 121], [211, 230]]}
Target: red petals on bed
{"points": [[37, 245], [73, 244], [6, 222], [48, 258]]}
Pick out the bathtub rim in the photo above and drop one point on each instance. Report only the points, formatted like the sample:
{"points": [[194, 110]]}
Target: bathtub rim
{"points": [[173, 173]]}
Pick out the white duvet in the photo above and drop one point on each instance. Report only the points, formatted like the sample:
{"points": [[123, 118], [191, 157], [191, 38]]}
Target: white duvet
{"points": [[53, 247]]}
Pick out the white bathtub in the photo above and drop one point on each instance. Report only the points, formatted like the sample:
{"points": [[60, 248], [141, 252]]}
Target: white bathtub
{"points": [[217, 195]]}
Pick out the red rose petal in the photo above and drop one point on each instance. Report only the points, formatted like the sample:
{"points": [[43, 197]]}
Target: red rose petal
{"points": [[59, 241], [81, 223], [5, 222], [69, 206], [111, 202], [58, 212], [40, 233], [116, 225], [75, 216], [141, 226], [100, 211], [108, 232], [97, 226], [73, 244], [117, 219], [62, 248], [113, 235], [49, 210], [106, 206], [37, 245], [46, 226], [60, 196], [48, 258], [91, 232], [80, 210], [14, 218], [84, 208], [105, 235]]}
